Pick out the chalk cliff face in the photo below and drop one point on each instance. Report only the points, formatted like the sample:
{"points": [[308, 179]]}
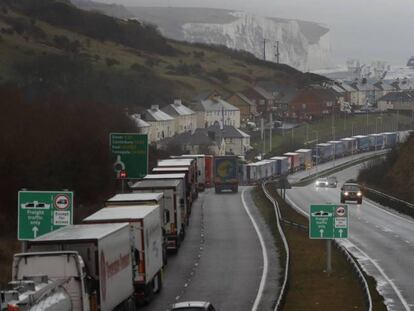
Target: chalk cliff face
{"points": [[248, 32], [303, 45]]}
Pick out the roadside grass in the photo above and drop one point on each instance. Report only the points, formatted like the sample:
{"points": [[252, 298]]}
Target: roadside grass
{"points": [[310, 288], [321, 130], [9, 246]]}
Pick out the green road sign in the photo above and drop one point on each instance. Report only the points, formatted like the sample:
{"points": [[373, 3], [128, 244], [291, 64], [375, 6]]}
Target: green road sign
{"points": [[130, 153], [329, 221], [40, 212]]}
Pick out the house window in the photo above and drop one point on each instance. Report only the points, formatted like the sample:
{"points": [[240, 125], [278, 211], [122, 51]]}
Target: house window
{"points": [[261, 102]]}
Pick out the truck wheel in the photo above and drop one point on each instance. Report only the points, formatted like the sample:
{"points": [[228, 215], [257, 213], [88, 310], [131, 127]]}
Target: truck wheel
{"points": [[342, 200], [217, 190], [360, 201]]}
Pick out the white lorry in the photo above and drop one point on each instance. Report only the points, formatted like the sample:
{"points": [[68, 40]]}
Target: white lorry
{"points": [[143, 199], [174, 204], [79, 268], [146, 238]]}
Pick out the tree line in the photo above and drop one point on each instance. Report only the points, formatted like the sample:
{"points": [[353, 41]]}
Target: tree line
{"points": [[55, 143]]}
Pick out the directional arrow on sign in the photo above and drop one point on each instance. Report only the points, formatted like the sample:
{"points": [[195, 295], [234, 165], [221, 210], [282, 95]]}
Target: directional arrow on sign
{"points": [[35, 230], [321, 231], [340, 233]]}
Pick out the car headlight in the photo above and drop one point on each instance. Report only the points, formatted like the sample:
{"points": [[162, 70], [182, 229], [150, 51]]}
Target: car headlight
{"points": [[359, 193], [346, 193]]}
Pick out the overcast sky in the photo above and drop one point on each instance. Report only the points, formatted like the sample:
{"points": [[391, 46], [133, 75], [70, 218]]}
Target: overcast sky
{"points": [[364, 29]]}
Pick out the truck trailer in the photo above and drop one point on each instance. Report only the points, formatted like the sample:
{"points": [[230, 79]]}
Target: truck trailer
{"points": [[226, 173], [146, 238], [144, 199], [79, 268], [282, 166], [174, 203], [305, 158], [294, 161]]}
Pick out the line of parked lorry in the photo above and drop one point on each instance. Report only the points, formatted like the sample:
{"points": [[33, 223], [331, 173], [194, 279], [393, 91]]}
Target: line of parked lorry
{"points": [[115, 259], [301, 159]]}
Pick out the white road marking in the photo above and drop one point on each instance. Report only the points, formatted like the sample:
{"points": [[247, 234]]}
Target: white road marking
{"points": [[394, 287], [264, 254], [389, 213]]}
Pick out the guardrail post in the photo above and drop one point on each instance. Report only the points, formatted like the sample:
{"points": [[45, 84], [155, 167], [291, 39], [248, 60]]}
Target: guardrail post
{"points": [[329, 255]]}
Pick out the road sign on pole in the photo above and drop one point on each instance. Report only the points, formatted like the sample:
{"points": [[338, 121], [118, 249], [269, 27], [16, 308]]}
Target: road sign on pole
{"points": [[40, 212], [130, 151], [328, 221]]}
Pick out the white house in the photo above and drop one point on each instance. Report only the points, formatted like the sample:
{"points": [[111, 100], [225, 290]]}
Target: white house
{"points": [[216, 111], [162, 124], [185, 118], [142, 126]]}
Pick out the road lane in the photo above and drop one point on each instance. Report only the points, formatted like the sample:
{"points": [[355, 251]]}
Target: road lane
{"points": [[385, 237], [221, 258]]}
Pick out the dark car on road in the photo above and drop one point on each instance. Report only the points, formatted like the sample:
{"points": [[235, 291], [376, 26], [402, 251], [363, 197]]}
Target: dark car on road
{"points": [[332, 182], [351, 192]]}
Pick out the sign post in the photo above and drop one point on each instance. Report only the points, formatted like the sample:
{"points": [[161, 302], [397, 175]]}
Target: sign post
{"points": [[327, 222], [130, 151], [40, 212]]}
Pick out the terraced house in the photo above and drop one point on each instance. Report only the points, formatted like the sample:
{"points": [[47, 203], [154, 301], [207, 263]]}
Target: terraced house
{"points": [[162, 125], [185, 118], [216, 111]]}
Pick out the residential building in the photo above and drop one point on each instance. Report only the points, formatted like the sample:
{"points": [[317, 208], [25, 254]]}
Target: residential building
{"points": [[265, 101], [236, 141], [162, 124], [213, 140], [185, 118], [247, 108], [200, 141], [142, 126], [283, 95], [402, 100], [311, 103], [216, 111]]}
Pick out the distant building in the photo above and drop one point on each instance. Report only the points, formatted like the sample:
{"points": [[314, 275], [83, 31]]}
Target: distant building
{"points": [[313, 103], [143, 127], [247, 108], [213, 140], [162, 124], [402, 100], [185, 118], [216, 111], [265, 101]]}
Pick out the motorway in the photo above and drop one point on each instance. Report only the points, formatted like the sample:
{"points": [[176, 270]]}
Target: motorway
{"points": [[221, 259], [381, 240]]}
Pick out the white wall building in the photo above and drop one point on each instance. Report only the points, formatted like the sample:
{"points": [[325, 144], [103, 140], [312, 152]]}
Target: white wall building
{"points": [[142, 126], [216, 111], [185, 118], [162, 124]]}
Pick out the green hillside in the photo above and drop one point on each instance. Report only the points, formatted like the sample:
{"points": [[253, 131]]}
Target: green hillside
{"points": [[394, 175], [51, 46]]}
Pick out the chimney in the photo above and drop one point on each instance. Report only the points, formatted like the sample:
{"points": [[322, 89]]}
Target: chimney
{"points": [[155, 107], [177, 102]]}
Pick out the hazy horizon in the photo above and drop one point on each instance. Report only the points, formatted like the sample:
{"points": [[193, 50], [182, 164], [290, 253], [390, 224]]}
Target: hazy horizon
{"points": [[368, 30]]}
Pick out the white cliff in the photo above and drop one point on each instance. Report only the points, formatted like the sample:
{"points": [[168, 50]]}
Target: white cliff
{"points": [[248, 32], [303, 45]]}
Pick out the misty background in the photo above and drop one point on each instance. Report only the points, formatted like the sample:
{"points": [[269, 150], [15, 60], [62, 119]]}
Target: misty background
{"points": [[368, 30]]}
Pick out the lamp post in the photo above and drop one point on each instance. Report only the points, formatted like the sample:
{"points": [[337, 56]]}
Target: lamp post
{"points": [[317, 151]]}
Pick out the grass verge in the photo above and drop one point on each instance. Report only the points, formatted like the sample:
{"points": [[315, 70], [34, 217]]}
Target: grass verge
{"points": [[310, 288]]}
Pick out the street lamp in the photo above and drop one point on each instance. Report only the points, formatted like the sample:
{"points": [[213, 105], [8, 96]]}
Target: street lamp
{"points": [[317, 150]]}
